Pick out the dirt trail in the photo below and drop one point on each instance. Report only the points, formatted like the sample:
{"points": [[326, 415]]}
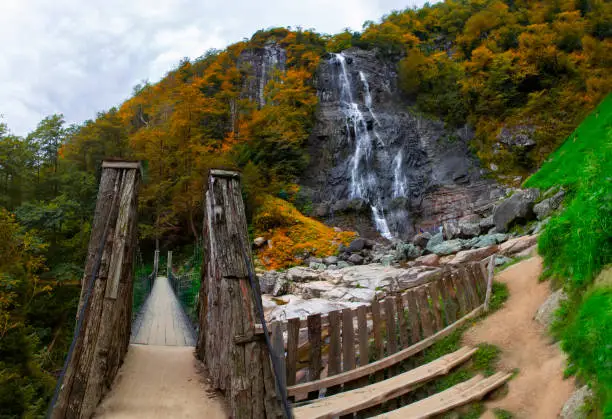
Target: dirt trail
{"points": [[539, 390], [160, 382]]}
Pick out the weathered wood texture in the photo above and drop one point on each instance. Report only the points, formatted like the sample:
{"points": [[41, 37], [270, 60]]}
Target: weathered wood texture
{"points": [[403, 319], [105, 303], [237, 358]]}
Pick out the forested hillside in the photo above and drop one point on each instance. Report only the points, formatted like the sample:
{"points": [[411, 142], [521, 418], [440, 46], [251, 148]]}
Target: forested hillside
{"points": [[521, 73]]}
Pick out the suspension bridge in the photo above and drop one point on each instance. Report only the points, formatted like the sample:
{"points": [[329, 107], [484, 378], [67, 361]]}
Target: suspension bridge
{"points": [[137, 332]]}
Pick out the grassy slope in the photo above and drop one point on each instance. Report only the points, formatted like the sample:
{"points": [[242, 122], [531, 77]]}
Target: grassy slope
{"points": [[577, 245]]}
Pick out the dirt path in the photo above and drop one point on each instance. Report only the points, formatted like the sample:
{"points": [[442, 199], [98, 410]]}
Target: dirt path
{"points": [[160, 382], [538, 391]]}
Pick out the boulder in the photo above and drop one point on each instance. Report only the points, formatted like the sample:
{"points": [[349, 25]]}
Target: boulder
{"points": [[297, 307], [447, 247], [281, 287], [314, 289], [487, 240], [429, 260], [546, 313], [516, 208], [405, 251], [519, 136], [501, 260], [467, 230], [434, 241], [517, 245], [574, 407], [421, 239], [300, 274], [259, 241], [314, 260], [486, 223], [317, 266], [470, 219], [544, 208], [330, 260], [450, 229], [355, 258], [267, 281], [387, 260], [343, 264], [473, 255], [357, 245]]}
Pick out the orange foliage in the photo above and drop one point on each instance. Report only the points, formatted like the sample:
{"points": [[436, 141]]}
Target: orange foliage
{"points": [[292, 234]]}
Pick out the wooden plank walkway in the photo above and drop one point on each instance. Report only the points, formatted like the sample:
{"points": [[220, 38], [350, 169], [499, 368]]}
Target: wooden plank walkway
{"points": [[468, 391], [162, 321], [372, 395]]}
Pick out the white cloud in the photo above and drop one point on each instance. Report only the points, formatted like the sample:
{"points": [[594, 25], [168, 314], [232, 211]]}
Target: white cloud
{"points": [[78, 58]]}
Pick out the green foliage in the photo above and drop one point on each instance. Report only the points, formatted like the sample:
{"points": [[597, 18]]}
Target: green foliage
{"points": [[502, 413], [499, 296]]}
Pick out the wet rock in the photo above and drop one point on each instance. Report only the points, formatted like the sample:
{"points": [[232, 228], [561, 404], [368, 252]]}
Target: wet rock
{"points": [[357, 245], [544, 208], [429, 260], [421, 239], [447, 247], [259, 241], [574, 407], [516, 209], [300, 274], [330, 260], [356, 259], [473, 255], [546, 313], [517, 245]]}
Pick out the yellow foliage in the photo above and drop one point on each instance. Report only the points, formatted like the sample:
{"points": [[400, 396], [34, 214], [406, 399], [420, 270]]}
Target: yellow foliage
{"points": [[292, 234]]}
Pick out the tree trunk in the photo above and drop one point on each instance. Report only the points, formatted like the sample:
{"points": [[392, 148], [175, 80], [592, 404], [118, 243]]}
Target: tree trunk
{"points": [[105, 307], [229, 343]]}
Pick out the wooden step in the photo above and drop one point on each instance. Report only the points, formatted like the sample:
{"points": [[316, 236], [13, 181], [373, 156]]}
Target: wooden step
{"points": [[468, 391], [372, 395]]}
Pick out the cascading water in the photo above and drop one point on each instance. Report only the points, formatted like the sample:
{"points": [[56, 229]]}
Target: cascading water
{"points": [[364, 184], [399, 179]]}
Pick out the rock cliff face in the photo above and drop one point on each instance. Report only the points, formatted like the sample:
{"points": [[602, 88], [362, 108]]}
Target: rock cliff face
{"points": [[374, 165]]}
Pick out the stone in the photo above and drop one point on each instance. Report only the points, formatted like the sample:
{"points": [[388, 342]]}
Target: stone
{"points": [[546, 312], [259, 241], [544, 208], [517, 208], [517, 136], [330, 260], [501, 260], [343, 264], [467, 230], [517, 245], [332, 267], [434, 241], [429, 260], [447, 247], [387, 260], [301, 274], [489, 240], [281, 287], [313, 259], [297, 307], [473, 255], [317, 266], [314, 289], [405, 251], [337, 229], [267, 281], [369, 244], [530, 251], [357, 245], [421, 239], [574, 407], [356, 259], [486, 223], [450, 230]]}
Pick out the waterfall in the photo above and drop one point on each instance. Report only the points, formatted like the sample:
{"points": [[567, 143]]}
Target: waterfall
{"points": [[363, 179], [399, 179]]}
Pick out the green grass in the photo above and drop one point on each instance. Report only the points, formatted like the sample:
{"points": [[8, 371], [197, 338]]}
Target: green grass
{"points": [[502, 413], [577, 244]]}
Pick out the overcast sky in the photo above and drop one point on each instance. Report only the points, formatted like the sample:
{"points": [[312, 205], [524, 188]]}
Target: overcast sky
{"points": [[78, 57]]}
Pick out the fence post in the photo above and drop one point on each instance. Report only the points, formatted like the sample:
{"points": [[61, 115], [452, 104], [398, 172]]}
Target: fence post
{"points": [[230, 341], [490, 275], [169, 264], [105, 308]]}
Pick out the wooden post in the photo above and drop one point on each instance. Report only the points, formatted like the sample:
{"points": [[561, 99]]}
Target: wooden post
{"points": [[169, 264], [105, 307], [229, 342], [490, 275]]}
